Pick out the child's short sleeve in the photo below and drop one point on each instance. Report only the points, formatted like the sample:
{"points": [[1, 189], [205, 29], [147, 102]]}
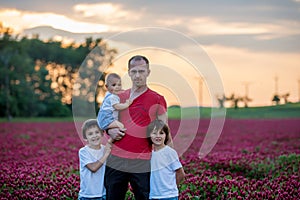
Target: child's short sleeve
{"points": [[114, 99], [85, 157], [175, 163]]}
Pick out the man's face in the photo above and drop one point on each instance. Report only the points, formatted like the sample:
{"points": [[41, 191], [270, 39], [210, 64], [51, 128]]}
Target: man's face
{"points": [[138, 73]]}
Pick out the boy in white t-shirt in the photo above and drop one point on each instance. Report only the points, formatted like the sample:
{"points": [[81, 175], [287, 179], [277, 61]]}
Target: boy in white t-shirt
{"points": [[92, 158], [166, 170]]}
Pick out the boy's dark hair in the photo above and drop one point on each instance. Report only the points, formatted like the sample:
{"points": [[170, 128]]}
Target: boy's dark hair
{"points": [[88, 124], [136, 58], [158, 125]]}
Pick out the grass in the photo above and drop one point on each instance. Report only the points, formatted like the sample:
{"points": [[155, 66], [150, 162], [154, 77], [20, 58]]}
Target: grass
{"points": [[291, 110], [38, 119]]}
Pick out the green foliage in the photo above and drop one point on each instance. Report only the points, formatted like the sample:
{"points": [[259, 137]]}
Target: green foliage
{"points": [[176, 112], [284, 164], [287, 164], [36, 77], [236, 179], [129, 195]]}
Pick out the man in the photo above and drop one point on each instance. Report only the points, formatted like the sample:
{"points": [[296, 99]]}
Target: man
{"points": [[130, 156]]}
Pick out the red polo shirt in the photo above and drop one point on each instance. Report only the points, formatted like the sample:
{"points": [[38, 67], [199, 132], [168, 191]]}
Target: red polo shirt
{"points": [[136, 118]]}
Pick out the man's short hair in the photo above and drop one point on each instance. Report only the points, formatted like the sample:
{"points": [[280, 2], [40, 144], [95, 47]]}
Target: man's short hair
{"points": [[137, 58]]}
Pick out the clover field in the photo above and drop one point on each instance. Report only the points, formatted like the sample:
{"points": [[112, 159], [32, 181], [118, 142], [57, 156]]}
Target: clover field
{"points": [[253, 159]]}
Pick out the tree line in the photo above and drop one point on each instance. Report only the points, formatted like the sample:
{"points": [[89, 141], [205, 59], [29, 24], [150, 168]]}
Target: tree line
{"points": [[37, 77]]}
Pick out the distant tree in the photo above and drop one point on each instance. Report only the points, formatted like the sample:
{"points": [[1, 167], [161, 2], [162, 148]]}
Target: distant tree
{"points": [[246, 100], [15, 67], [285, 97], [235, 100], [276, 99], [221, 99], [37, 77]]}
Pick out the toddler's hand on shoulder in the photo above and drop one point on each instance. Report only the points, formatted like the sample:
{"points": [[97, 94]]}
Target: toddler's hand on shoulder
{"points": [[129, 101]]}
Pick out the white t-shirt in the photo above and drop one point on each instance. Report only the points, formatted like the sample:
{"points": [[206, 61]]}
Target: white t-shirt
{"points": [[164, 162], [91, 184]]}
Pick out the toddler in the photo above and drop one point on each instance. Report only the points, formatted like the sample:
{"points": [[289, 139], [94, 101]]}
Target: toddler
{"points": [[108, 114]]}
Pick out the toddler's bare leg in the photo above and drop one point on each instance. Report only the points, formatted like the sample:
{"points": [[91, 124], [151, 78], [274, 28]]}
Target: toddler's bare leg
{"points": [[116, 124]]}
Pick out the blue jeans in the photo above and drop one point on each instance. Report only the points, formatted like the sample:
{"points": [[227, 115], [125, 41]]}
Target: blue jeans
{"points": [[93, 198], [170, 198]]}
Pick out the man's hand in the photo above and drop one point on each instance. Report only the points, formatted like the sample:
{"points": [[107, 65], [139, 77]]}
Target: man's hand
{"points": [[116, 133]]}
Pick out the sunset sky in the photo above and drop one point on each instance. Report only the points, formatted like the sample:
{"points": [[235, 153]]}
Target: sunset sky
{"points": [[240, 45]]}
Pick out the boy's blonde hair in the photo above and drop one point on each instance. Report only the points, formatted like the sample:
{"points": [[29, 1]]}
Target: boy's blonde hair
{"points": [[88, 124]]}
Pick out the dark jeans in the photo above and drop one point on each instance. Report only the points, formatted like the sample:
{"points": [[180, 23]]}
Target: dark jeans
{"points": [[170, 198], [120, 171], [93, 198]]}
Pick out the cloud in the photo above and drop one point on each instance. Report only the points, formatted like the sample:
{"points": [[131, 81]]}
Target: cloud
{"points": [[21, 20], [207, 26], [251, 39], [256, 25], [114, 15], [201, 26], [108, 12]]}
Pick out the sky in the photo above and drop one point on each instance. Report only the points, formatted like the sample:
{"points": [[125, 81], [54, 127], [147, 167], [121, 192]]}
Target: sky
{"points": [[198, 49]]}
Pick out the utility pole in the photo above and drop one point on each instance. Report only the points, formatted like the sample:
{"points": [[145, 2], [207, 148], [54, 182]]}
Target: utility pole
{"points": [[246, 88], [298, 90], [276, 85], [200, 89], [276, 97], [246, 98]]}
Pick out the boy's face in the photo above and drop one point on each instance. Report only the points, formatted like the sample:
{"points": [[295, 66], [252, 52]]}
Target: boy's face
{"points": [[158, 137], [93, 136], [114, 86]]}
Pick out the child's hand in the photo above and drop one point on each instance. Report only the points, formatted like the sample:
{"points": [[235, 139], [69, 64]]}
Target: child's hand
{"points": [[129, 101], [110, 141], [108, 146]]}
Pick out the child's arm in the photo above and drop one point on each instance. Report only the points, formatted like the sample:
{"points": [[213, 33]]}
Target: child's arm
{"points": [[93, 167], [180, 174], [122, 106]]}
